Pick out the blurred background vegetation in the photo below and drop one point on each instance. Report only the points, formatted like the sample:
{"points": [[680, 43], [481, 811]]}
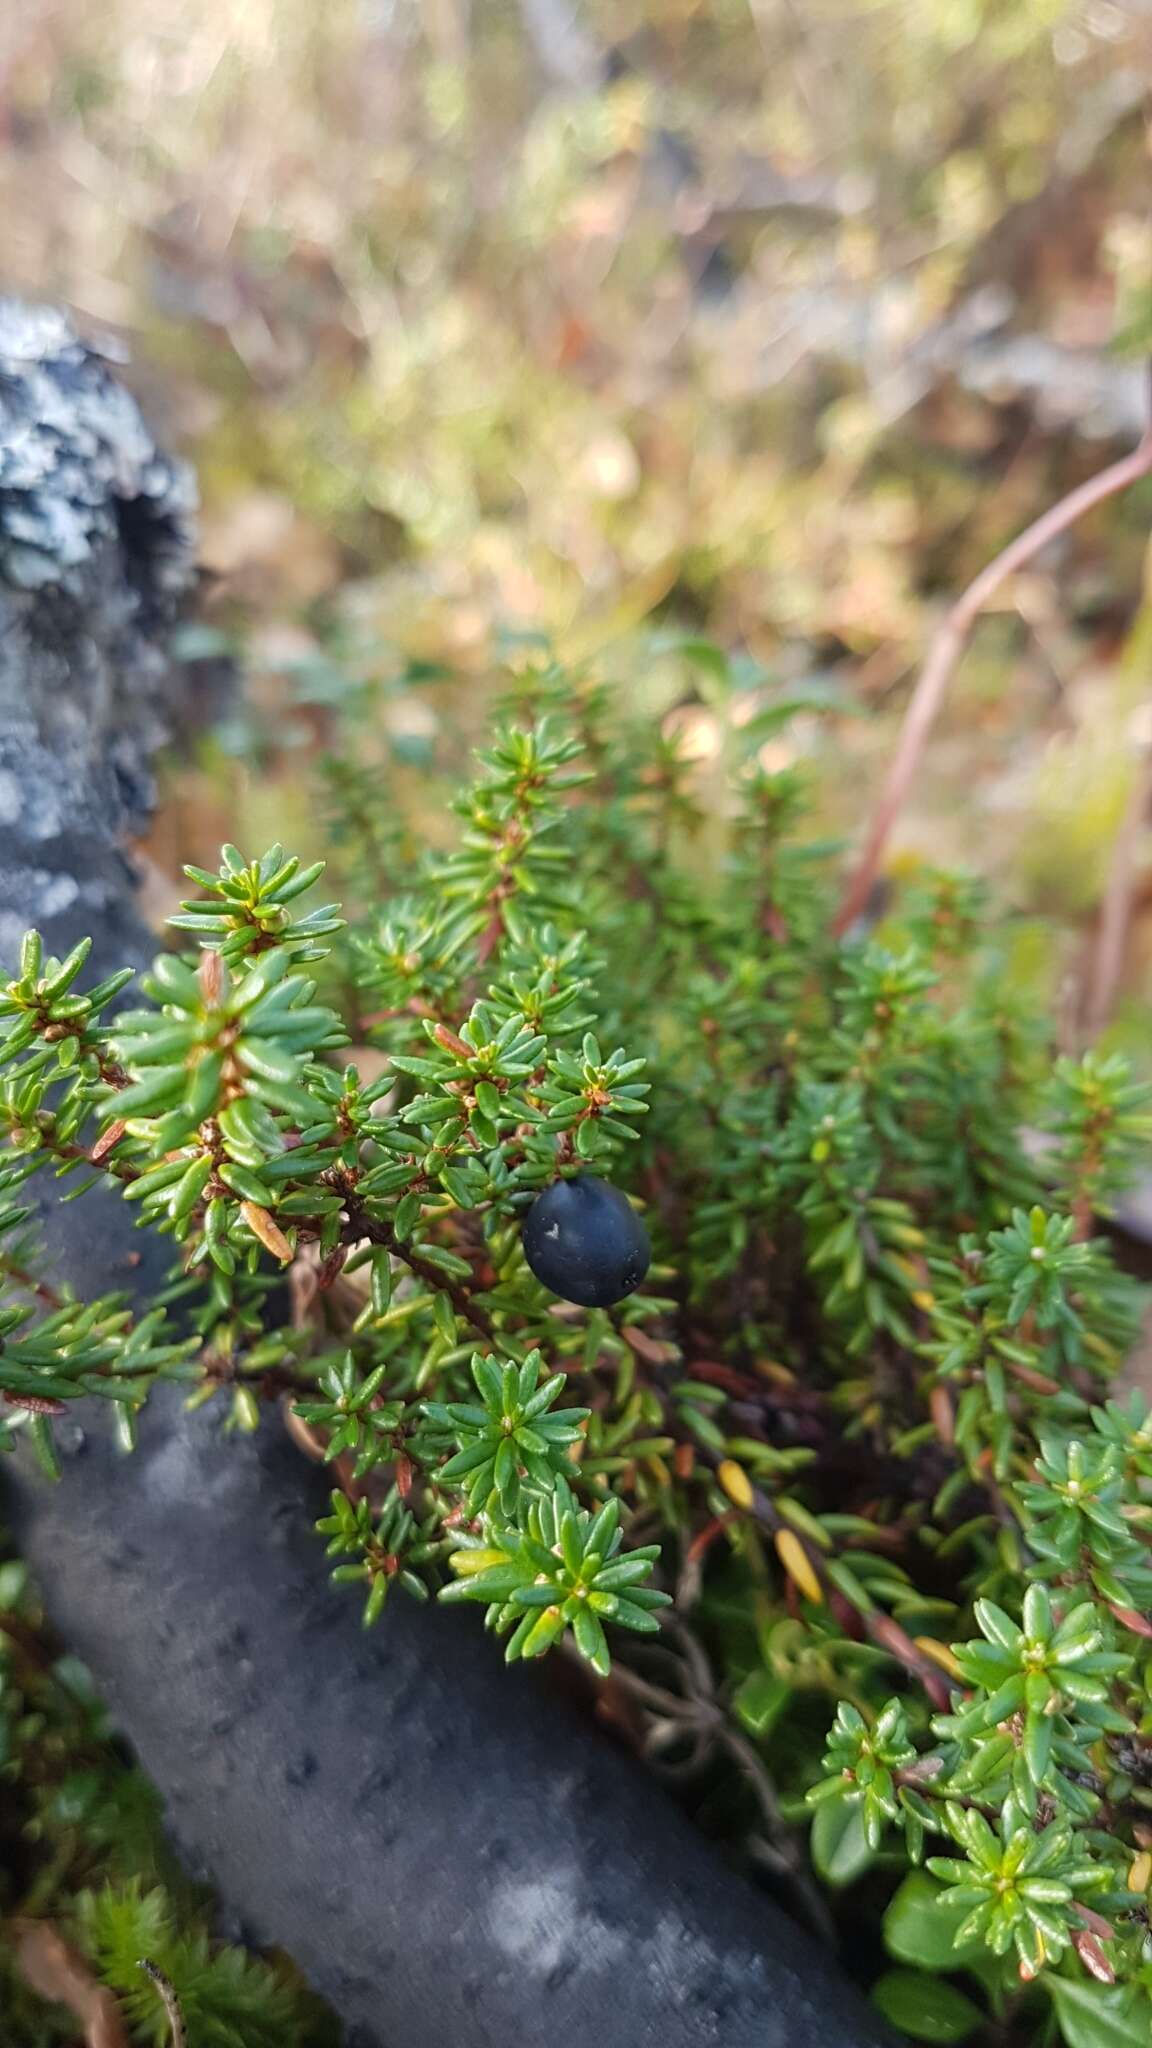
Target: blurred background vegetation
{"points": [[619, 327]]}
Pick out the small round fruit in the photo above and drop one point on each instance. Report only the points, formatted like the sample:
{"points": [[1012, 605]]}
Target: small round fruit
{"points": [[583, 1240]]}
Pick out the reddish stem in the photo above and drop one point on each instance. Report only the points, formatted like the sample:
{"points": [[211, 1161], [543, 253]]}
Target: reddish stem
{"points": [[1116, 906], [361, 1224], [948, 645]]}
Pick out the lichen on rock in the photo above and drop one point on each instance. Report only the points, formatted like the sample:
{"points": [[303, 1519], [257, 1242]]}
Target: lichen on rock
{"points": [[97, 556]]}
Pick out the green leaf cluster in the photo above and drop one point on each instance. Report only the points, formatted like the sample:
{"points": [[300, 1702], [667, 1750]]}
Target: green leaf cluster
{"points": [[860, 1416]]}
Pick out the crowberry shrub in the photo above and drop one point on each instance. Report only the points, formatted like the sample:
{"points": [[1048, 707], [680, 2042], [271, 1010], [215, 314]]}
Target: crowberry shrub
{"points": [[821, 1347]]}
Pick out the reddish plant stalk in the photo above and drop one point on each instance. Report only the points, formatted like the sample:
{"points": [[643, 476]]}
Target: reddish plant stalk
{"points": [[947, 647], [1107, 962]]}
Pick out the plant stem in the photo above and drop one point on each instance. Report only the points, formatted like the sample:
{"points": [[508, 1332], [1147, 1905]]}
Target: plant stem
{"points": [[1107, 959], [361, 1224], [177, 2036], [26, 1642], [947, 647], [879, 1628], [43, 1291], [62, 1150]]}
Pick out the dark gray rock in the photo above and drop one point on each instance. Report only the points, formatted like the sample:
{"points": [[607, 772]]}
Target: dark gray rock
{"points": [[448, 1851]]}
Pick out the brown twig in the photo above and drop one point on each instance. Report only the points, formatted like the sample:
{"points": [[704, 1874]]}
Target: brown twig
{"points": [[42, 1289], [1107, 957], [67, 1151], [948, 645], [27, 1643], [361, 1224], [167, 1994], [879, 1628]]}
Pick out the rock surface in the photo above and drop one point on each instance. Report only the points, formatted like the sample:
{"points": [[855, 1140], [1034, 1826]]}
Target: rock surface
{"points": [[97, 554], [446, 1849]]}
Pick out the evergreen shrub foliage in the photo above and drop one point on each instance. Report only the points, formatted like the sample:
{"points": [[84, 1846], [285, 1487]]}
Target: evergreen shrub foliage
{"points": [[858, 1417]]}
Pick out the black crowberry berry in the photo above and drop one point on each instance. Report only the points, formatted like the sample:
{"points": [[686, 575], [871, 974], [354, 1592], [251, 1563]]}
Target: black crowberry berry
{"points": [[583, 1240]]}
